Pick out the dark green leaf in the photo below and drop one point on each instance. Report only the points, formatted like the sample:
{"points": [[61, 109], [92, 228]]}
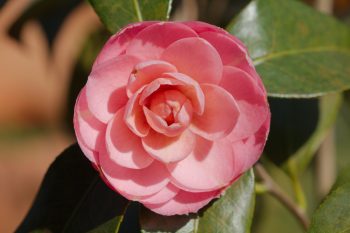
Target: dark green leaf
{"points": [[333, 215], [231, 213], [73, 198], [298, 51], [117, 13]]}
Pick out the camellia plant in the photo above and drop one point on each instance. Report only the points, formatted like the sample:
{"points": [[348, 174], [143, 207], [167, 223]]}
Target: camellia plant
{"points": [[174, 117]]}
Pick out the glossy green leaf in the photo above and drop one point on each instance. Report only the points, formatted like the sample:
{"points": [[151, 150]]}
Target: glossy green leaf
{"points": [[115, 14], [329, 107], [73, 198], [231, 213], [333, 215], [298, 51]]}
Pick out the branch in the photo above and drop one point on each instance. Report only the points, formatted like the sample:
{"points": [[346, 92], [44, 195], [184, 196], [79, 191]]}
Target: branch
{"points": [[274, 189]]}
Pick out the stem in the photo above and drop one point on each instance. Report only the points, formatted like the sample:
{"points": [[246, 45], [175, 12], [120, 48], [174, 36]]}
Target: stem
{"points": [[275, 190]]}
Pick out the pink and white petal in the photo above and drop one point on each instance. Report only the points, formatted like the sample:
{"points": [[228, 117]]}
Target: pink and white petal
{"points": [[106, 87], [218, 120], [89, 130], [135, 183], [117, 43], [191, 89], [251, 100], [231, 53], [184, 203], [248, 151], [151, 42], [146, 72], [164, 195], [134, 116], [196, 58], [210, 166], [160, 125], [201, 27], [169, 149], [123, 146]]}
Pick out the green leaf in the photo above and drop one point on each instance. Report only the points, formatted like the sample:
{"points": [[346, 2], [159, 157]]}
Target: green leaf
{"points": [[298, 51], [115, 14], [73, 198], [333, 215], [231, 213], [329, 108]]}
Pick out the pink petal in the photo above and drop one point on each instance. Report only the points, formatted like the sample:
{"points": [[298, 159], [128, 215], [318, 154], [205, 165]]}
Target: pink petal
{"points": [[220, 114], [189, 88], [251, 100], [165, 104], [151, 42], [200, 27], [184, 203], [230, 52], [226, 43], [105, 88], [135, 183], [88, 129], [124, 147], [169, 149], [210, 166], [164, 195], [145, 72], [134, 116], [248, 151], [117, 43], [160, 125], [196, 58]]}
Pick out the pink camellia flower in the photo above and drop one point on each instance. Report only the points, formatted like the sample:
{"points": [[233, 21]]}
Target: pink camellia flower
{"points": [[172, 114]]}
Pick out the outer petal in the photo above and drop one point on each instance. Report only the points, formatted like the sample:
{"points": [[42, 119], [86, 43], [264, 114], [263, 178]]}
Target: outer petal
{"points": [[169, 149], [89, 130], [184, 203], [249, 150], [105, 89], [196, 58], [151, 42], [210, 166], [146, 72], [164, 195], [117, 43], [230, 51], [220, 113], [200, 27], [134, 182], [124, 147], [251, 101]]}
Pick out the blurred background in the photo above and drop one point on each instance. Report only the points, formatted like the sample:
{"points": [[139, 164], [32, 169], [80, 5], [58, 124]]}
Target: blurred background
{"points": [[46, 51]]}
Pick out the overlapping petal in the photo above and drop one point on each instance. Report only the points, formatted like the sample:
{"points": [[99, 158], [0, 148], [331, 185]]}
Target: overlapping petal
{"points": [[105, 88], [133, 181], [251, 101], [124, 147], [169, 149], [210, 166], [150, 43], [89, 130], [184, 203], [196, 58], [220, 114]]}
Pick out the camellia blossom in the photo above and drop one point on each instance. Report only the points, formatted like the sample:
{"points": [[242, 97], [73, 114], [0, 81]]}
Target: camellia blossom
{"points": [[172, 114]]}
